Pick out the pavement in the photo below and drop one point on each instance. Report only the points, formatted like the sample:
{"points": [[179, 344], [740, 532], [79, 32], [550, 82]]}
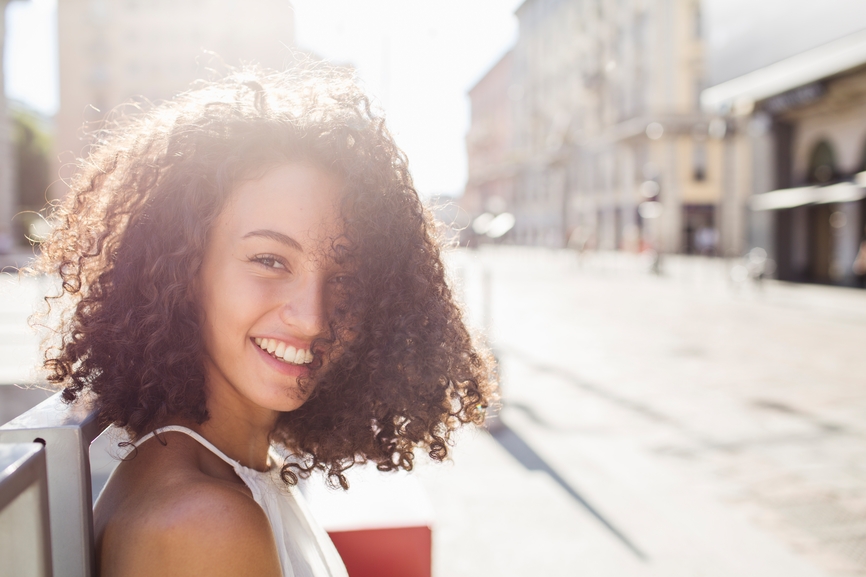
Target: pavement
{"points": [[682, 424], [20, 297]]}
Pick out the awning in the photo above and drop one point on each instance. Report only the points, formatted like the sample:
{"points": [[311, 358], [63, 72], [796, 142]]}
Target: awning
{"points": [[801, 69], [791, 197]]}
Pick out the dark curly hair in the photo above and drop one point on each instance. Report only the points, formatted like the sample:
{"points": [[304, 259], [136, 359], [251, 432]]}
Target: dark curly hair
{"points": [[129, 241]]}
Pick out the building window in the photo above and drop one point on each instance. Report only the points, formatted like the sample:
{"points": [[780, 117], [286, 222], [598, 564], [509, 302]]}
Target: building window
{"points": [[699, 161], [822, 165], [862, 166]]}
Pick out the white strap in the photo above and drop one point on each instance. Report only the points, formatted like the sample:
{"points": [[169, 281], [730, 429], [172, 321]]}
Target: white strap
{"points": [[195, 436]]}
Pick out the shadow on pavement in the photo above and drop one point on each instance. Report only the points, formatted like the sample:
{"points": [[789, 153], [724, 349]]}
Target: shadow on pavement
{"points": [[526, 456]]}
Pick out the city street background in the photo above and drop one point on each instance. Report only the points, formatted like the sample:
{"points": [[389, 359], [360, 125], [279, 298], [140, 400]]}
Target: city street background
{"points": [[681, 424], [665, 202]]}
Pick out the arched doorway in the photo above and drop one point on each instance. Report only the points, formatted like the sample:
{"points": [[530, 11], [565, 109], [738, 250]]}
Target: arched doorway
{"points": [[822, 164]]}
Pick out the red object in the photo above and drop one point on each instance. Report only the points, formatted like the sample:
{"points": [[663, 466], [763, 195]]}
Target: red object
{"points": [[391, 552]]}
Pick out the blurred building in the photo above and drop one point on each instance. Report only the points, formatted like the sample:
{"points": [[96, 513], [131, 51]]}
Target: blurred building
{"points": [[7, 177], [798, 155], [489, 142], [114, 50], [610, 148]]}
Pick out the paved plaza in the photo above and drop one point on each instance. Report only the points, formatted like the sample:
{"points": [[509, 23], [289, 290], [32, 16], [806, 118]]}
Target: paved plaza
{"points": [[673, 425], [717, 428]]}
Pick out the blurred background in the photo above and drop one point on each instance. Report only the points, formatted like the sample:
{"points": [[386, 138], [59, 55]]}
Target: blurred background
{"points": [[658, 209]]}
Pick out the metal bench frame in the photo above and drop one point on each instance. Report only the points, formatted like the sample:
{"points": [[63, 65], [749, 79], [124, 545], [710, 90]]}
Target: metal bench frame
{"points": [[66, 431], [22, 467]]}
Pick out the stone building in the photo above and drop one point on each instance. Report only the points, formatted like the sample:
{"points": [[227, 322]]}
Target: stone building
{"points": [[798, 157], [112, 51], [610, 148]]}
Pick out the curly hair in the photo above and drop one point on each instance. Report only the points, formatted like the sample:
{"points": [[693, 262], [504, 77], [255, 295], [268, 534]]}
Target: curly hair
{"points": [[130, 238]]}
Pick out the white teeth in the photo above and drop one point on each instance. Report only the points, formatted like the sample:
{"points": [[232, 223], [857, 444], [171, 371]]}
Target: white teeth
{"points": [[285, 352]]}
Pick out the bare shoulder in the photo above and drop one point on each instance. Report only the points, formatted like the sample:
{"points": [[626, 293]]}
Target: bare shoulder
{"points": [[205, 529], [175, 520]]}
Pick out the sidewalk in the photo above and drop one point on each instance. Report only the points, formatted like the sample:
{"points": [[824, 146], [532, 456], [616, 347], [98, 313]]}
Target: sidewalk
{"points": [[719, 427], [19, 344]]}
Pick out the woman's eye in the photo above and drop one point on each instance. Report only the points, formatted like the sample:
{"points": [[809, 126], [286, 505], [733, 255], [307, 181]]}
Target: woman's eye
{"points": [[270, 261]]}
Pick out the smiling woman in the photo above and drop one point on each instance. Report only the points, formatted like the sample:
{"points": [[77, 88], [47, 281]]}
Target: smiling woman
{"points": [[249, 276]]}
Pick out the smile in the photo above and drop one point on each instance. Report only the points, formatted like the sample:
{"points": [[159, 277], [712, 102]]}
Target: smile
{"points": [[285, 353]]}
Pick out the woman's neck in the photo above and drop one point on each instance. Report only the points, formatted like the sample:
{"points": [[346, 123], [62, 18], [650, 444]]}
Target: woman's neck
{"points": [[240, 431]]}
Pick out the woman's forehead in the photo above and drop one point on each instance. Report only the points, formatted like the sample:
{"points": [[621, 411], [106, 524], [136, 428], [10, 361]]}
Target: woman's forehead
{"points": [[298, 201]]}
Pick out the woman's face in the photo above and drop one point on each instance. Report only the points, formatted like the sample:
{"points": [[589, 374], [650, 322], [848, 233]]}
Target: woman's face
{"points": [[266, 285]]}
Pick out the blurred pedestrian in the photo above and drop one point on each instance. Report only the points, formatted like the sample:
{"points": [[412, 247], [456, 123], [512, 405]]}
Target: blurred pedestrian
{"points": [[249, 276]]}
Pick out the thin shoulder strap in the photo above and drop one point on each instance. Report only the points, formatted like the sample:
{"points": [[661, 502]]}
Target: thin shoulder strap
{"points": [[204, 442]]}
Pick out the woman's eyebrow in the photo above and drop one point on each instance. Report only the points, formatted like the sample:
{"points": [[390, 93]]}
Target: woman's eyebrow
{"points": [[277, 236]]}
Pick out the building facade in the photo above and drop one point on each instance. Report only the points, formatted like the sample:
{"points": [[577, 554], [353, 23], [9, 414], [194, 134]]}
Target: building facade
{"points": [[610, 148], [489, 142], [113, 51], [7, 176], [798, 155]]}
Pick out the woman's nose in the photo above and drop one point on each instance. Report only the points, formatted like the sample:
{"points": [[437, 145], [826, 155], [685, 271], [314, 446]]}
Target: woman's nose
{"points": [[304, 308]]}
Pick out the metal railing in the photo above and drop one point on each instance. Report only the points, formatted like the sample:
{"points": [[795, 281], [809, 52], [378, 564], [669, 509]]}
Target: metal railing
{"points": [[65, 432], [25, 539]]}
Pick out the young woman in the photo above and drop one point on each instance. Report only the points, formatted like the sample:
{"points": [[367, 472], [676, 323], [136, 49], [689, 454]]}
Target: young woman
{"points": [[248, 275]]}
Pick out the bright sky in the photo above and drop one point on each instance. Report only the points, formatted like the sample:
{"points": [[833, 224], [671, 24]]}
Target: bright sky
{"points": [[418, 58], [30, 57]]}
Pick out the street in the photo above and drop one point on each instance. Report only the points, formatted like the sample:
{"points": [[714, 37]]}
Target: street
{"points": [[680, 425], [20, 296], [673, 425]]}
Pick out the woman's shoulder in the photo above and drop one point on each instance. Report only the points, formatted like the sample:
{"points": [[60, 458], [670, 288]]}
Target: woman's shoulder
{"points": [[163, 515], [187, 500]]}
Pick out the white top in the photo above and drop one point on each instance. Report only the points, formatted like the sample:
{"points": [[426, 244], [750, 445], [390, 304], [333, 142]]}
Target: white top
{"points": [[305, 549]]}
